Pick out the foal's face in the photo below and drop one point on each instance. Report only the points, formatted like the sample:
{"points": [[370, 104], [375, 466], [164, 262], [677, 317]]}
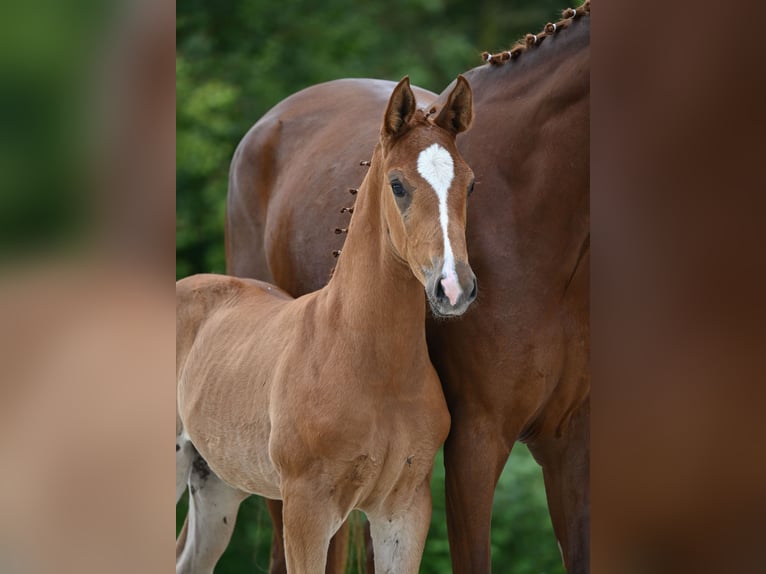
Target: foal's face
{"points": [[425, 188]]}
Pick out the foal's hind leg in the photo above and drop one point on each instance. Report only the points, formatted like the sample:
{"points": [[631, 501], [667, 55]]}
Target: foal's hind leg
{"points": [[399, 536], [213, 507], [185, 454]]}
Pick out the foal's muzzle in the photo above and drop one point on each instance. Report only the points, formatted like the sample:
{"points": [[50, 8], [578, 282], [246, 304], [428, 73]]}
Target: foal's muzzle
{"points": [[450, 294]]}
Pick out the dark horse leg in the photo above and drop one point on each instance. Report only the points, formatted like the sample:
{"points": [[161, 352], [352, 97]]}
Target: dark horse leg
{"points": [[474, 456], [181, 541], [565, 461], [278, 564], [336, 555]]}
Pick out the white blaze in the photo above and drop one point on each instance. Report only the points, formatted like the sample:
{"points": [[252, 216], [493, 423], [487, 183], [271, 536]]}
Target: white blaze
{"points": [[435, 165]]}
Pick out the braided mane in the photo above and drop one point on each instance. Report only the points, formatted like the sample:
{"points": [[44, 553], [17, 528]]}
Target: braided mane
{"points": [[567, 17]]}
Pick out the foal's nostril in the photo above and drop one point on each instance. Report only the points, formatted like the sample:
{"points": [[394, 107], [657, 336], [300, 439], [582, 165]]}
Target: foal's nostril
{"points": [[440, 291], [472, 296]]}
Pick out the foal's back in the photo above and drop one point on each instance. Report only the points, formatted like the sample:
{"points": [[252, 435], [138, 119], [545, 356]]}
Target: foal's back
{"points": [[203, 299]]}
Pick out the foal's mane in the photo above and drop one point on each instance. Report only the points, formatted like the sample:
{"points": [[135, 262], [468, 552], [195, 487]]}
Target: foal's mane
{"points": [[529, 41]]}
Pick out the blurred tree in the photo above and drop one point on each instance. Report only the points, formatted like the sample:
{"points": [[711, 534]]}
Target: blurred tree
{"points": [[237, 59]]}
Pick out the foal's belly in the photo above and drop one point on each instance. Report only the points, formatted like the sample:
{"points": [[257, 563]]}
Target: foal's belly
{"points": [[234, 445], [241, 465]]}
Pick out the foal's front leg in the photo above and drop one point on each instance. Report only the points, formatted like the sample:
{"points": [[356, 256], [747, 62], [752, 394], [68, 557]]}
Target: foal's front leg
{"points": [[398, 536], [310, 520], [336, 556]]}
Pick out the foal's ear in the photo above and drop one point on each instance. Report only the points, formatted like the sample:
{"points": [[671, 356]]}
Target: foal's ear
{"points": [[457, 113], [400, 108]]}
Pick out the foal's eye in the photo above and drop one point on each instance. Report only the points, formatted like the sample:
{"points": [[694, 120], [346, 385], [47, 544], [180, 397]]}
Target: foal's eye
{"points": [[470, 188], [397, 188]]}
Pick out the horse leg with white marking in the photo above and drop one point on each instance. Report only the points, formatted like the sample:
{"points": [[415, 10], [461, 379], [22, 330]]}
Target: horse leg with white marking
{"points": [[213, 507], [398, 538]]}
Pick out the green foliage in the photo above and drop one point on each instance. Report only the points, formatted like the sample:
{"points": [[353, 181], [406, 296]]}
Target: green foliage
{"points": [[235, 60], [206, 136]]}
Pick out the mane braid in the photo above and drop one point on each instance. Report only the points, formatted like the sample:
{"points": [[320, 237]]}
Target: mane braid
{"points": [[421, 117], [530, 40]]}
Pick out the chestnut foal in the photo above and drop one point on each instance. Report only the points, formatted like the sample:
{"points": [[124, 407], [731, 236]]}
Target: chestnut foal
{"points": [[329, 402]]}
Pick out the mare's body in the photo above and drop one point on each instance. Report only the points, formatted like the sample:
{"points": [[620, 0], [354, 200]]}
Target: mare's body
{"points": [[516, 367]]}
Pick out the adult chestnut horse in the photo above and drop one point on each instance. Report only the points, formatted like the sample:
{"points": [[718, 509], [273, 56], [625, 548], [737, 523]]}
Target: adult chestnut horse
{"points": [[329, 402], [516, 367]]}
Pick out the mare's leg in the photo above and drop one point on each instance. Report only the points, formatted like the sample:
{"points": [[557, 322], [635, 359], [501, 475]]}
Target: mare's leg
{"points": [[369, 555], [474, 456], [309, 523], [213, 507], [278, 564], [565, 461], [181, 541], [399, 537], [336, 555]]}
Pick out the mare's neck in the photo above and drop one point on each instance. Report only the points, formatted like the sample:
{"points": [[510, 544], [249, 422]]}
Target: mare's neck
{"points": [[372, 289]]}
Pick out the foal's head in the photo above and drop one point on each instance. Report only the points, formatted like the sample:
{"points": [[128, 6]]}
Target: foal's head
{"points": [[425, 185]]}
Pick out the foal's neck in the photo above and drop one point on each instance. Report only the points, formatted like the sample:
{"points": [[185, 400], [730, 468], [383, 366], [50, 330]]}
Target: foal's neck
{"points": [[373, 289]]}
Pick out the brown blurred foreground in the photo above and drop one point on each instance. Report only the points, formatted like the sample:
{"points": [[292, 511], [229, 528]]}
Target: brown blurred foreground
{"points": [[87, 311], [679, 450]]}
